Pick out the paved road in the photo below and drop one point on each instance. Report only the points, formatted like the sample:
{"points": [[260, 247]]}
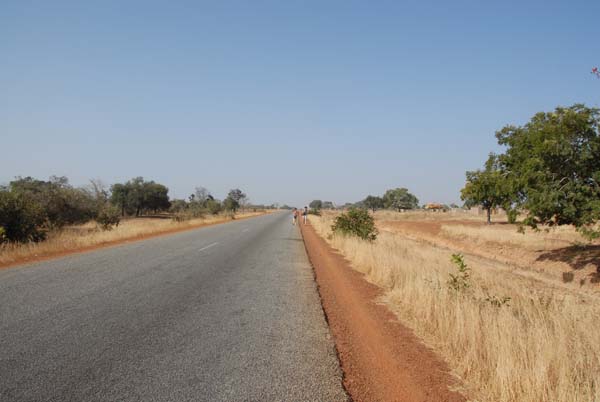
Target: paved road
{"points": [[224, 313]]}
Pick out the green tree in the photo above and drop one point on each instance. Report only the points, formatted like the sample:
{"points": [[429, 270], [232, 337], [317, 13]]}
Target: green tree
{"points": [[553, 162], [137, 196], [328, 205], [399, 199], [120, 196], [230, 204], [489, 188], [155, 197], [234, 200], [316, 204], [373, 202]]}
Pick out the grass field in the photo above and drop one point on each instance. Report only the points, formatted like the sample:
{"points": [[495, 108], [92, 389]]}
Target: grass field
{"points": [[88, 236], [514, 334]]}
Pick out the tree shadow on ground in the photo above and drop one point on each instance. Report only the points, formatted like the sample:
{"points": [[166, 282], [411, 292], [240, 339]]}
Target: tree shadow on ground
{"points": [[577, 257]]}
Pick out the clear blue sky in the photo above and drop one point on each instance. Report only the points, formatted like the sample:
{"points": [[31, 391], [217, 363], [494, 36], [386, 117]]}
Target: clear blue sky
{"points": [[288, 100]]}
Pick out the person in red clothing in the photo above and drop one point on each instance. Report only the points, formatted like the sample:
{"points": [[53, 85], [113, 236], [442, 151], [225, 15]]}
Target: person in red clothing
{"points": [[294, 216]]}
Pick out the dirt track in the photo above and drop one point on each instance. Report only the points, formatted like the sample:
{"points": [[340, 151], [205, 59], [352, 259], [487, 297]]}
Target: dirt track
{"points": [[382, 360]]}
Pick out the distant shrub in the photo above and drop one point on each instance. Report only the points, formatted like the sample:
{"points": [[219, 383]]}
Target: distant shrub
{"points": [[314, 211], [178, 206], [108, 217], [196, 210], [356, 222], [213, 206]]}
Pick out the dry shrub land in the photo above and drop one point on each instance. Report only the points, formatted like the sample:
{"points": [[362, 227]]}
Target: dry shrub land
{"points": [[90, 235], [510, 333]]}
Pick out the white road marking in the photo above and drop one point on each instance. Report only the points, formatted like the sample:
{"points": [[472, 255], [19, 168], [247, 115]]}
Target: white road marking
{"points": [[209, 246], [245, 230]]}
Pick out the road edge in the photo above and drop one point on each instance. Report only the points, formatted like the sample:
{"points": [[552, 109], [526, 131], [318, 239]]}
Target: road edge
{"points": [[381, 359]]}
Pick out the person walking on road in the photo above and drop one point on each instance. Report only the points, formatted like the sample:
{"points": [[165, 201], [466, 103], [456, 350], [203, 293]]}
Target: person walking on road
{"points": [[305, 214], [294, 216]]}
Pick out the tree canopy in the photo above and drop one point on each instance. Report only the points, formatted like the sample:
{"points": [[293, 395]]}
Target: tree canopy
{"points": [[137, 196], [316, 204], [550, 169], [489, 188], [399, 199], [373, 202], [554, 163]]}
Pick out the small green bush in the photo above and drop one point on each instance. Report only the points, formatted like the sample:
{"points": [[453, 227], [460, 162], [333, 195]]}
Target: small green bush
{"points": [[108, 217], [314, 211], [461, 280], [356, 222]]}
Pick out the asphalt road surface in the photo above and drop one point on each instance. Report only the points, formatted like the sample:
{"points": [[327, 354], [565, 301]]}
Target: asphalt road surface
{"points": [[224, 313]]}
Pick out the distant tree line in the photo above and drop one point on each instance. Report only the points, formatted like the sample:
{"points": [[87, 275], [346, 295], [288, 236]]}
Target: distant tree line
{"points": [[31, 208], [398, 199], [549, 171]]}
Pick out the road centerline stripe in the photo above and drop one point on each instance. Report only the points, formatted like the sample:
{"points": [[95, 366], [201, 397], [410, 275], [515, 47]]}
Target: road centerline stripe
{"points": [[209, 246]]}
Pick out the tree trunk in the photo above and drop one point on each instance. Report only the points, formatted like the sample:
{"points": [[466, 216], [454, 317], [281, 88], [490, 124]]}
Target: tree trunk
{"points": [[489, 215]]}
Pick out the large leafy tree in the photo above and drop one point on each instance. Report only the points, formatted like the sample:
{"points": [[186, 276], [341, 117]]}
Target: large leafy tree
{"points": [[316, 204], [553, 162], [489, 188], [235, 199], [137, 196], [399, 199], [373, 202]]}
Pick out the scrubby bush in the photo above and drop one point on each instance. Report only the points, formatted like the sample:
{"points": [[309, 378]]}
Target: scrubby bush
{"points": [[178, 206], [356, 222], [213, 206], [21, 219], [314, 211], [108, 217], [196, 210], [180, 217], [230, 204], [60, 203]]}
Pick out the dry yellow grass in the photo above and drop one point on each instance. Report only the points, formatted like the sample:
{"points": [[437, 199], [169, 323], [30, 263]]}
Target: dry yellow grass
{"points": [[422, 215], [89, 235], [507, 234], [543, 346]]}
